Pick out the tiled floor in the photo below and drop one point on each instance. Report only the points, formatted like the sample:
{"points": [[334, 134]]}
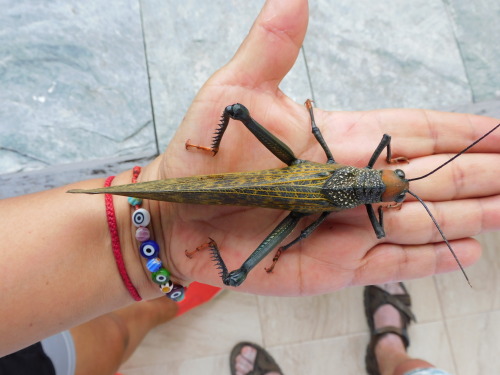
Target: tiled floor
{"points": [[90, 87], [458, 328]]}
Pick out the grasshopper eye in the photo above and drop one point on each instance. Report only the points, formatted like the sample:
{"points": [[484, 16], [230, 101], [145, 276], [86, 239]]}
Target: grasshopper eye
{"points": [[400, 174], [401, 197]]}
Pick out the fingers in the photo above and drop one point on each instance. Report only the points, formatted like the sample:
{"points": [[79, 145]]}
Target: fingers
{"points": [[390, 262], [272, 46], [438, 132], [415, 133], [469, 176]]}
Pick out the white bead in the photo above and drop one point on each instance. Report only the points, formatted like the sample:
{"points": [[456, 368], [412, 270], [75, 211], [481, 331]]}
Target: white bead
{"points": [[167, 287], [141, 217]]}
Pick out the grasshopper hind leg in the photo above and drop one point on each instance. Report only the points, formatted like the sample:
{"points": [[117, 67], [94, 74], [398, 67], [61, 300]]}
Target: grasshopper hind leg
{"points": [[236, 277], [271, 142]]}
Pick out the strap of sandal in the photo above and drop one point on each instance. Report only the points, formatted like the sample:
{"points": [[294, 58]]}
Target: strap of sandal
{"points": [[381, 332], [401, 302]]}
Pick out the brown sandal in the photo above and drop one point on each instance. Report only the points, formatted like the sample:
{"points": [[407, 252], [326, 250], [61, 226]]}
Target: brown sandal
{"points": [[263, 364], [374, 297]]}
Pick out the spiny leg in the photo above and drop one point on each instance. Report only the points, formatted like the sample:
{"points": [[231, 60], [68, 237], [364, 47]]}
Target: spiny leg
{"points": [[240, 112], [304, 234], [236, 277]]}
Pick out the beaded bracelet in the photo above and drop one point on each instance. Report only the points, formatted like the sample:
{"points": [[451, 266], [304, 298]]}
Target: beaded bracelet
{"points": [[150, 249]]}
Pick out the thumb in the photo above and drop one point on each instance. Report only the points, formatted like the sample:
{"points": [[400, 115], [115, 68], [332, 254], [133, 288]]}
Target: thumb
{"points": [[272, 45]]}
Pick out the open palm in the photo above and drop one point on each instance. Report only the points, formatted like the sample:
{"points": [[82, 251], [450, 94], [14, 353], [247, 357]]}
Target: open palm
{"points": [[344, 249]]}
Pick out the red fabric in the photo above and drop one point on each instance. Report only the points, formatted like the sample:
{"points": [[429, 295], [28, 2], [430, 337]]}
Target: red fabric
{"points": [[196, 294], [115, 242]]}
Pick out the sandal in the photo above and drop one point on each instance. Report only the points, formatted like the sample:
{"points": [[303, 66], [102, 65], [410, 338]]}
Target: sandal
{"points": [[263, 364], [374, 297]]}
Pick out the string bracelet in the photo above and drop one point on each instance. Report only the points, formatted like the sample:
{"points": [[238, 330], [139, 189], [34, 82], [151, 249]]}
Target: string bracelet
{"points": [[150, 249], [115, 242]]}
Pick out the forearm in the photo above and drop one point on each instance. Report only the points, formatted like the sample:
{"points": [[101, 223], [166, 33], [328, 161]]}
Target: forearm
{"points": [[57, 267]]}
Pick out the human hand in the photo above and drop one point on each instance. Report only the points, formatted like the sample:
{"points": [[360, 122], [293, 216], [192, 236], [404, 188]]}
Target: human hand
{"points": [[344, 250]]}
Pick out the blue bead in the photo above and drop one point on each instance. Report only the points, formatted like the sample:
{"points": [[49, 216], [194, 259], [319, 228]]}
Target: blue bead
{"points": [[134, 201], [149, 249], [177, 293], [153, 264]]}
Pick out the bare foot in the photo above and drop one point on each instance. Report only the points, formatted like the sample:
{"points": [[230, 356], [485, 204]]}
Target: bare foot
{"points": [[388, 315], [245, 362], [390, 350]]}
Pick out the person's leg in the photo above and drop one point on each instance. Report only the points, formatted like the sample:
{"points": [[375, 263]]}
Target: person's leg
{"points": [[390, 350], [104, 343]]}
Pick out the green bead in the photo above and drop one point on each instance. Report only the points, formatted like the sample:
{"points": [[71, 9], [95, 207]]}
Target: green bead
{"points": [[161, 276]]}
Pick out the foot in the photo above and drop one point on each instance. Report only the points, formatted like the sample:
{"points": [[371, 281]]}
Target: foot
{"points": [[248, 358], [390, 344], [388, 313]]}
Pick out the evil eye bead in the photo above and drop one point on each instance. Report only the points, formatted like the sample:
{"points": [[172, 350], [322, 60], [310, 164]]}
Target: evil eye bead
{"points": [[161, 276], [134, 201], [141, 217], [167, 287], [149, 249], [142, 234], [154, 264], [177, 293]]}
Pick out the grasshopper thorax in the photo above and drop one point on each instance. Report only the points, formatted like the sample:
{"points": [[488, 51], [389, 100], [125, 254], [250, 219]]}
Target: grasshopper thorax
{"points": [[349, 187]]}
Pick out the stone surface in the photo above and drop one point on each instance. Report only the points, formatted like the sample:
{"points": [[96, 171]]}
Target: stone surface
{"points": [[478, 32], [368, 55], [74, 78], [187, 44], [73, 83]]}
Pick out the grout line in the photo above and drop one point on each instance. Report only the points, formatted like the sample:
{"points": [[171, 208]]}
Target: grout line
{"points": [[309, 81], [445, 324], [448, 9], [259, 310], [146, 61]]}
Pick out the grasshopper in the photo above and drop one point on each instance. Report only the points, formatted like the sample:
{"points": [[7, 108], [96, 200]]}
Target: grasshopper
{"points": [[302, 187]]}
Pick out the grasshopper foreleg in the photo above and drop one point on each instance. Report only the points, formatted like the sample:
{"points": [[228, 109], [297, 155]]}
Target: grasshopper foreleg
{"points": [[385, 142], [317, 134], [304, 234], [377, 224]]}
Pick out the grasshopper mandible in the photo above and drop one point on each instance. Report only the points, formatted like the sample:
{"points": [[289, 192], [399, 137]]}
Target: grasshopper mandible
{"points": [[303, 187]]}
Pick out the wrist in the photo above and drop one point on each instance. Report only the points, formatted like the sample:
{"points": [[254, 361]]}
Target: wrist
{"points": [[129, 251], [146, 244]]}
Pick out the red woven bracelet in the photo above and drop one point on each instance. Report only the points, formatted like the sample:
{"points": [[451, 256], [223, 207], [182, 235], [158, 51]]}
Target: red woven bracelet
{"points": [[115, 242]]}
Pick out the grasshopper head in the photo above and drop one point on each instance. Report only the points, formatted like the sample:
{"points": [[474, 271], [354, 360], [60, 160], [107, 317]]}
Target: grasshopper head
{"points": [[396, 185]]}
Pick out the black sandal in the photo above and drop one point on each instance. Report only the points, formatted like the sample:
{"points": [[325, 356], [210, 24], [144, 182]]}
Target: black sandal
{"points": [[374, 297], [263, 364]]}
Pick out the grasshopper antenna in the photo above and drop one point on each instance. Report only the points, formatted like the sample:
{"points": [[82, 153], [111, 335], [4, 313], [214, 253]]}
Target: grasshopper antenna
{"points": [[457, 155], [442, 235]]}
